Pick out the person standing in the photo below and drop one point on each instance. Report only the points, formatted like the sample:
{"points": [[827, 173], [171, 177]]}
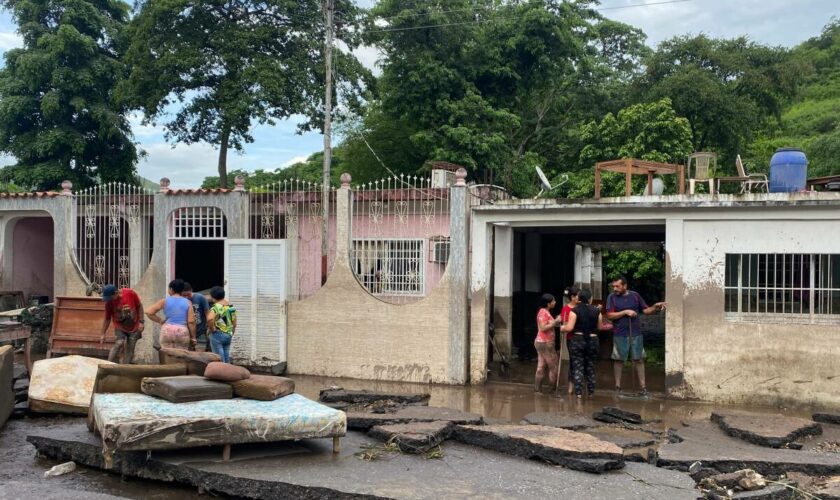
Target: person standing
{"points": [[623, 309], [584, 322], [124, 309], [178, 329], [569, 295], [544, 343], [221, 323], [200, 309]]}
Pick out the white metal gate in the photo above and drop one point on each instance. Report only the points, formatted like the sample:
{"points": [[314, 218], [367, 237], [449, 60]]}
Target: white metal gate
{"points": [[256, 284]]}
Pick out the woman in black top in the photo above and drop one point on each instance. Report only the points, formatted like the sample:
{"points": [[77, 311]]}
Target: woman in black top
{"points": [[584, 322]]}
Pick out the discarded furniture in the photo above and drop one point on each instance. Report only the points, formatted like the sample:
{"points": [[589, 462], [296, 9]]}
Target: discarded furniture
{"points": [[63, 385], [748, 181], [141, 422], [827, 183], [77, 322], [704, 170], [11, 300], [185, 388], [630, 167], [13, 330], [7, 395]]}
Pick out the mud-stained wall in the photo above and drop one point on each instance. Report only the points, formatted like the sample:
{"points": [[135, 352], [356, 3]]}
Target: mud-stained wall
{"points": [[32, 256], [714, 358]]}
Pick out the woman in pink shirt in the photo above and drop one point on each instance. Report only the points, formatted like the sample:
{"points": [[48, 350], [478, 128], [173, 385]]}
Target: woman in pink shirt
{"points": [[544, 343]]}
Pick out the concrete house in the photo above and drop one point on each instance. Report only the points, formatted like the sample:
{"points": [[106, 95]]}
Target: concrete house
{"points": [[419, 268]]}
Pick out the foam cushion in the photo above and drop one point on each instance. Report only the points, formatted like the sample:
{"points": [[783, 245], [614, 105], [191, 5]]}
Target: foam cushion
{"points": [[263, 387], [196, 361], [185, 388], [225, 372]]}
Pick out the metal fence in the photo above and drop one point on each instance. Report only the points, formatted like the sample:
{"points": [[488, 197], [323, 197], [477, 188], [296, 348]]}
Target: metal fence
{"points": [[293, 210], [400, 237], [113, 241]]}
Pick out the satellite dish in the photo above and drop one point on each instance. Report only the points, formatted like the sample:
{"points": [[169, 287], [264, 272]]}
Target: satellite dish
{"points": [[546, 186]]}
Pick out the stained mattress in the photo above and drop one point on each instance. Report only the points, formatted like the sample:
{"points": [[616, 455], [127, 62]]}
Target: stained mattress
{"points": [[141, 422]]}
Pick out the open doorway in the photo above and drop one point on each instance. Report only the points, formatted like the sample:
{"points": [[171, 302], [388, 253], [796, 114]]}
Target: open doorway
{"points": [[549, 259], [197, 247]]}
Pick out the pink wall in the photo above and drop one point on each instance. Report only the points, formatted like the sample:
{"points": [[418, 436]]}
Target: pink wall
{"points": [[309, 254], [32, 256]]}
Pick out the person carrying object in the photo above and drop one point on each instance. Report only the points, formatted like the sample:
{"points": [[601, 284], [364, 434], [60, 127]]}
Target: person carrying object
{"points": [[178, 329], [623, 309], [584, 322], [124, 309], [221, 323]]}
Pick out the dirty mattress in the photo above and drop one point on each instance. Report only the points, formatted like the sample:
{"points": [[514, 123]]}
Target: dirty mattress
{"points": [[141, 422]]}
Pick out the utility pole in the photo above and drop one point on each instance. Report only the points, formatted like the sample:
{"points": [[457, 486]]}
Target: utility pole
{"points": [[325, 189]]}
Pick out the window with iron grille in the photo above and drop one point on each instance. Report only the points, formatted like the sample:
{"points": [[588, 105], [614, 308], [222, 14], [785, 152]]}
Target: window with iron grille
{"points": [[790, 287], [390, 266]]}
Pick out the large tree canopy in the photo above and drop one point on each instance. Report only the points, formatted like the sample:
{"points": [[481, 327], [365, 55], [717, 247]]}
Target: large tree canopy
{"points": [[220, 66], [58, 116]]}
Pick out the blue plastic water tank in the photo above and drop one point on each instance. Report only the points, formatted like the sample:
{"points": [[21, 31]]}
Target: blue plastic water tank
{"points": [[788, 171]]}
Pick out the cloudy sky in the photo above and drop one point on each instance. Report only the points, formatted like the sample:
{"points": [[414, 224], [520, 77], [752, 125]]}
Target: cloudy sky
{"points": [[775, 22]]}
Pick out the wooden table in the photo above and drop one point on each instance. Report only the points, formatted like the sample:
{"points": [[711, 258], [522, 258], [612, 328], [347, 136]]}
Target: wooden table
{"points": [[12, 330], [631, 166], [822, 181]]}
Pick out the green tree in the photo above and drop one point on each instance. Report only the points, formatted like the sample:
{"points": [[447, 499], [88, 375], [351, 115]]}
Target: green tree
{"points": [[222, 66], [728, 89], [58, 116]]}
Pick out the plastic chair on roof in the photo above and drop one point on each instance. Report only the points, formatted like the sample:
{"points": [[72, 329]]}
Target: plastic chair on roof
{"points": [[704, 165]]}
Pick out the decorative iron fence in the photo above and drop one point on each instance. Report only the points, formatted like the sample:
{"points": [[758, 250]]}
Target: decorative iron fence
{"points": [[400, 237], [293, 210], [113, 233]]}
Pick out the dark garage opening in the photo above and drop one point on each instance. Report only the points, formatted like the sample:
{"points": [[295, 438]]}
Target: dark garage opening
{"points": [[201, 263]]}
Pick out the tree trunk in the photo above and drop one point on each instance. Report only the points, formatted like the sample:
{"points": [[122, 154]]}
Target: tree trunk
{"points": [[223, 148]]}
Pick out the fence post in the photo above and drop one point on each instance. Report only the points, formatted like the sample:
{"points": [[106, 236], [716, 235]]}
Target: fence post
{"points": [[458, 266], [342, 222]]}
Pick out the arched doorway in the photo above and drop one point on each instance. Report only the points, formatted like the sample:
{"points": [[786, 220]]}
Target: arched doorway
{"points": [[30, 268]]}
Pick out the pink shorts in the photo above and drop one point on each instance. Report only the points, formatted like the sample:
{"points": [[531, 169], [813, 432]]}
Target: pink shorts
{"points": [[175, 336]]}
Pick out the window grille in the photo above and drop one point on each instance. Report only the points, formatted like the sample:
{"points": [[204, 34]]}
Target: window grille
{"points": [[794, 287], [390, 267], [198, 223]]}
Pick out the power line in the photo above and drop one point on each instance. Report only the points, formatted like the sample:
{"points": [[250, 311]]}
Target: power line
{"points": [[476, 21]]}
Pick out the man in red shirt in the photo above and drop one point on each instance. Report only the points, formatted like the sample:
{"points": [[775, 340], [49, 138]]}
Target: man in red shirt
{"points": [[124, 309]]}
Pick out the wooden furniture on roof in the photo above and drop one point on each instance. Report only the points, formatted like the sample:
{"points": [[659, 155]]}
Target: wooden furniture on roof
{"points": [[748, 181], [823, 181], [631, 166]]}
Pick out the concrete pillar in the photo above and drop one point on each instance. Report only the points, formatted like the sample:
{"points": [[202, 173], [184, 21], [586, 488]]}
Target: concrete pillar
{"points": [[458, 269], [578, 265], [342, 222], [597, 275], [64, 231], [503, 288], [674, 294], [586, 267]]}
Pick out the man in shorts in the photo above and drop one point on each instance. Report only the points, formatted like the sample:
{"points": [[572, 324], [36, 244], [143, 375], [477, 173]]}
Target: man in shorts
{"points": [[623, 309], [124, 310]]}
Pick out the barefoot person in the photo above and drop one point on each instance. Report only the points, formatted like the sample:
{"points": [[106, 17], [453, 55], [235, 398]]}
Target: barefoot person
{"points": [[544, 343], [584, 322], [124, 309], [178, 328], [623, 309]]}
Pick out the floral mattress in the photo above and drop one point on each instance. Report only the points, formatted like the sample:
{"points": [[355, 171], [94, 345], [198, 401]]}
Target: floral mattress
{"points": [[141, 422]]}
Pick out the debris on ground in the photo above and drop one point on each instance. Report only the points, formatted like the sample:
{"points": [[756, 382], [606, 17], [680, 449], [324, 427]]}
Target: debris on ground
{"points": [[553, 419], [61, 469], [363, 421], [39, 319], [574, 450], [773, 431], [826, 418], [415, 437], [340, 395]]}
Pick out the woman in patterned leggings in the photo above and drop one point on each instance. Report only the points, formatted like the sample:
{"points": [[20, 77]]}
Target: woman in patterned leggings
{"points": [[584, 322]]}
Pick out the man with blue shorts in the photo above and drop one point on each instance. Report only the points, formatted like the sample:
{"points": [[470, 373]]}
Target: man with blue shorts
{"points": [[623, 309]]}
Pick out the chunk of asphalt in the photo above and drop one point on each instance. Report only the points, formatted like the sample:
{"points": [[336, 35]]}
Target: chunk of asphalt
{"points": [[606, 418], [569, 422], [773, 431], [413, 437], [826, 418], [704, 442], [624, 438], [623, 415], [355, 397], [770, 492], [574, 450], [357, 420]]}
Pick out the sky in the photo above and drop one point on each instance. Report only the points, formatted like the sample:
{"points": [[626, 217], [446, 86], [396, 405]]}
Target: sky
{"points": [[773, 22]]}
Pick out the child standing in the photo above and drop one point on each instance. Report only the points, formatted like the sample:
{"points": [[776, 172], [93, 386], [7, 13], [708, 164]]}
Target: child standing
{"points": [[221, 322]]}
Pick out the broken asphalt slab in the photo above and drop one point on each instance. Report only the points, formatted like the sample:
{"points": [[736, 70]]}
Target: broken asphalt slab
{"points": [[415, 437], [621, 437], [364, 397], [705, 442], [568, 422], [308, 469], [827, 418], [773, 431], [575, 450], [364, 421]]}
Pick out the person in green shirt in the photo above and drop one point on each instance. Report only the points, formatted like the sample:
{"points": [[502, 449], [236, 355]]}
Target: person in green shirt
{"points": [[221, 323]]}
